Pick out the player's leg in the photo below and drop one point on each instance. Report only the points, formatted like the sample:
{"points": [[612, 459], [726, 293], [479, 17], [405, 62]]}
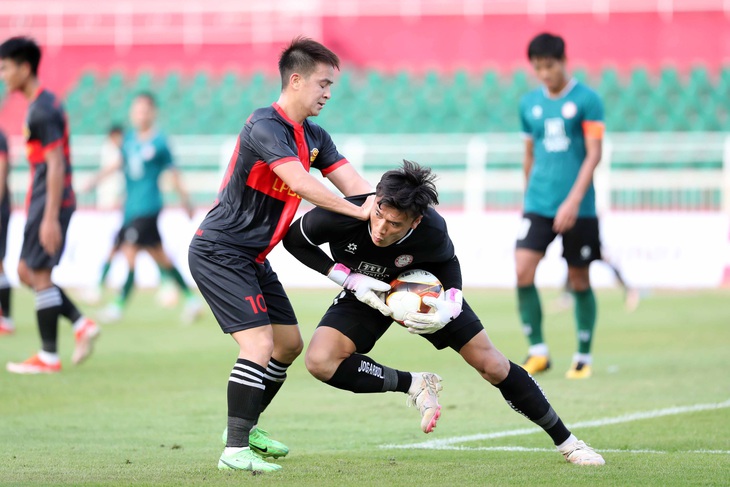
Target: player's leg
{"points": [[631, 294], [288, 345], [336, 356], [232, 292], [193, 306], [113, 311], [525, 396], [6, 321], [48, 309], [581, 246], [35, 268], [535, 235]]}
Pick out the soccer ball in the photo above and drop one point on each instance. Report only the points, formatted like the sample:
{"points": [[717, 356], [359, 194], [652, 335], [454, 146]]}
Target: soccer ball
{"points": [[408, 290]]}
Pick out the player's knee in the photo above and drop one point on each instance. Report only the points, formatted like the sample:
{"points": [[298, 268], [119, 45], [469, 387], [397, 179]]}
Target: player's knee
{"points": [[319, 363], [290, 350], [24, 275], [493, 366], [579, 279]]}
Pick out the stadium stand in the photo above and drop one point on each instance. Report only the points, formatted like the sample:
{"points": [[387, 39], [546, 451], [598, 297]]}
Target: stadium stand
{"points": [[373, 102]]}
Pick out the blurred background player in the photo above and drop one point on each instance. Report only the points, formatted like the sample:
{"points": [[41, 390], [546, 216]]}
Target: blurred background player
{"points": [[108, 197], [563, 126], [405, 232], [632, 296], [145, 156], [266, 180], [6, 322], [50, 204]]}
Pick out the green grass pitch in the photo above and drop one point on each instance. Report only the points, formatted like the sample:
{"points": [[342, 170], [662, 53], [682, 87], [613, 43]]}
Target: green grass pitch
{"points": [[148, 407]]}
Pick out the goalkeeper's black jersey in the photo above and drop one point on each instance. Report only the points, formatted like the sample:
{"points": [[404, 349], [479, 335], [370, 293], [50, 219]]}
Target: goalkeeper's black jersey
{"points": [[427, 247]]}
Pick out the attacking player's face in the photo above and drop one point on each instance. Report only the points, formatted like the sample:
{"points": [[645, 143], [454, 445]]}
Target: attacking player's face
{"points": [[13, 74], [388, 225], [313, 91], [550, 72], [142, 113]]}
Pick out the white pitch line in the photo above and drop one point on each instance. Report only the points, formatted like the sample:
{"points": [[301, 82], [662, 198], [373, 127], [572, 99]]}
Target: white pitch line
{"points": [[626, 418], [552, 450]]}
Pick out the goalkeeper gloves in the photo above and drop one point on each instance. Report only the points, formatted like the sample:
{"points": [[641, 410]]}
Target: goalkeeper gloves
{"points": [[362, 286], [445, 310]]}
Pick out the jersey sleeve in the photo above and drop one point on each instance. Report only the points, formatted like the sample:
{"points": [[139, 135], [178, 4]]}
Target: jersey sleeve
{"points": [[305, 236], [46, 126], [328, 158], [269, 140], [524, 123], [593, 125], [3, 144]]}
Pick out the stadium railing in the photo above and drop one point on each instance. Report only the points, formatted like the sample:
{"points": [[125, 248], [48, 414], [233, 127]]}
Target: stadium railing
{"points": [[639, 171]]}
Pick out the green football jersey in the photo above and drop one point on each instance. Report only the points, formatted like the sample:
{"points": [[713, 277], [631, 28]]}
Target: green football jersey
{"points": [[144, 161], [557, 126]]}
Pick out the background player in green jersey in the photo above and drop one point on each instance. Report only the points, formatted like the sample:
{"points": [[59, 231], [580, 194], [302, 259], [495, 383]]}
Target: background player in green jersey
{"points": [[563, 126], [145, 156]]}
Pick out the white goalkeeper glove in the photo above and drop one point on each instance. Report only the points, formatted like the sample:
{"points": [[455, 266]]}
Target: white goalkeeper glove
{"points": [[362, 286], [445, 309]]}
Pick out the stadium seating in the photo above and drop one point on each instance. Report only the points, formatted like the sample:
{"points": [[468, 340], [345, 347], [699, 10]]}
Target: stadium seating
{"points": [[372, 102], [637, 103]]}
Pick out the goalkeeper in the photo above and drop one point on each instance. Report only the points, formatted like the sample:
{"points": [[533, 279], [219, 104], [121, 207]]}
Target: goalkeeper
{"points": [[405, 232]]}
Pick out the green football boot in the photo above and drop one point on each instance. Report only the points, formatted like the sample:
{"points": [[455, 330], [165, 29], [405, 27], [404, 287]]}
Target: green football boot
{"points": [[246, 460], [260, 442]]}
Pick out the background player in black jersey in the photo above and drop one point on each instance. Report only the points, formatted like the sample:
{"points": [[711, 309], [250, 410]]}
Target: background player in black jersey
{"points": [[6, 322], [267, 177], [50, 204], [405, 232]]}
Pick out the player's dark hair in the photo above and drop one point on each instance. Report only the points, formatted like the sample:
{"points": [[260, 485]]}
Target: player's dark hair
{"points": [[115, 128], [147, 95], [546, 45], [409, 188], [22, 50], [302, 56]]}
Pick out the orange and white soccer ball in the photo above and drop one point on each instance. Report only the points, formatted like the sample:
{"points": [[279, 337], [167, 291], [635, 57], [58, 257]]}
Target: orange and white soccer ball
{"points": [[408, 290]]}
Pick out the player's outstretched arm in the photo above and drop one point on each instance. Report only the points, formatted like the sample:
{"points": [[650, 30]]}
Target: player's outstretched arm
{"points": [[4, 171], [177, 184], [305, 248], [349, 181], [100, 176], [568, 211], [306, 186]]}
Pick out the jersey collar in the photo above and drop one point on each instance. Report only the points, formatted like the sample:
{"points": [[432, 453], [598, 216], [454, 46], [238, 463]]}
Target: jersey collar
{"points": [[283, 115], [571, 84]]}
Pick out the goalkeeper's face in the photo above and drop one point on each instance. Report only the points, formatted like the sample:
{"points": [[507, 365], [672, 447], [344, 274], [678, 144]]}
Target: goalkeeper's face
{"points": [[388, 225]]}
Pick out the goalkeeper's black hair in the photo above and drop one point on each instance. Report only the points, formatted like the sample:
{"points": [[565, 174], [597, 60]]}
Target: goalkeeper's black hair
{"points": [[409, 188], [546, 45]]}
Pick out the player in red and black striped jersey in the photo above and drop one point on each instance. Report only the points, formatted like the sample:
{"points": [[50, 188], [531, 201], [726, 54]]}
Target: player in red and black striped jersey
{"points": [[50, 204], [267, 177], [6, 322], [405, 232]]}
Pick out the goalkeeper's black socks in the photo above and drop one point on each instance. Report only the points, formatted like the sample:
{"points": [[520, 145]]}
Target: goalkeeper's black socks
{"points": [[361, 374], [523, 394]]}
